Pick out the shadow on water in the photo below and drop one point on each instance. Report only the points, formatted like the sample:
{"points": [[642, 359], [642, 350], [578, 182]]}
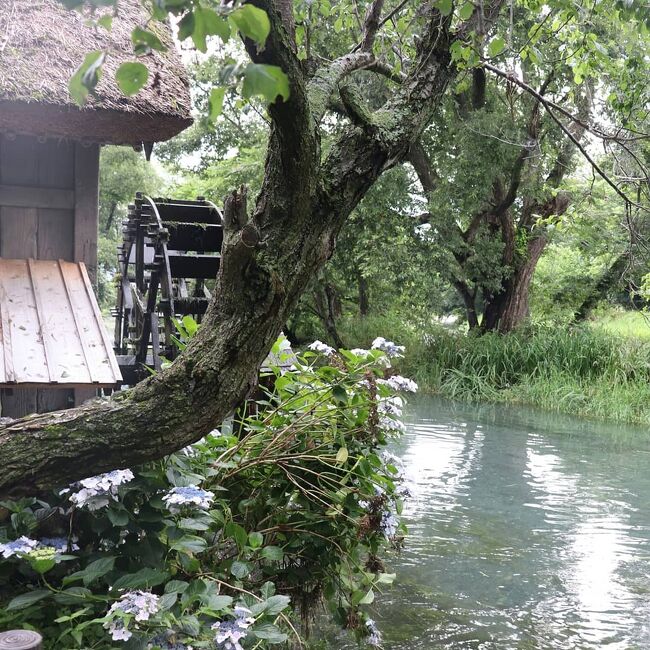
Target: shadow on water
{"points": [[526, 530]]}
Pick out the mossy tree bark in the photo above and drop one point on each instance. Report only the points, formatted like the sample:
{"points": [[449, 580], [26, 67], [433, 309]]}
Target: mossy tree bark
{"points": [[269, 255]]}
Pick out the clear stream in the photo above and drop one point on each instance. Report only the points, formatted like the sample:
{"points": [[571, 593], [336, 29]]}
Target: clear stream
{"points": [[526, 530]]}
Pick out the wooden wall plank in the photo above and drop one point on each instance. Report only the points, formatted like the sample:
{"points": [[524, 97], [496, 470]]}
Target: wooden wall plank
{"points": [[25, 196], [55, 235], [18, 233], [86, 207]]}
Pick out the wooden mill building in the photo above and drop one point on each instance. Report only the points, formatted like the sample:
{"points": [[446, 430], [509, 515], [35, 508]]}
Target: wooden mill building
{"points": [[53, 348]]}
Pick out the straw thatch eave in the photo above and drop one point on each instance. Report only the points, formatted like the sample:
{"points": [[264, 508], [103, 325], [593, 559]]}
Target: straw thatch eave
{"points": [[41, 45]]}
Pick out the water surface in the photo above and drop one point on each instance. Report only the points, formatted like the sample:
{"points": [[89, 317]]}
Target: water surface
{"points": [[526, 530]]}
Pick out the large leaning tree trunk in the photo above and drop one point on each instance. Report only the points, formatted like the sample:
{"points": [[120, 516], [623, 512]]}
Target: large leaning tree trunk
{"points": [[268, 257]]}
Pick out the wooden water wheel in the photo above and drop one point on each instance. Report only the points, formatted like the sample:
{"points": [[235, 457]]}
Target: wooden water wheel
{"points": [[170, 250]]}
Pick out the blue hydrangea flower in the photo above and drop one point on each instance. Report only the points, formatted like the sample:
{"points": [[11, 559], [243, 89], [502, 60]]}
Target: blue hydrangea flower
{"points": [[230, 633], [140, 604], [59, 544], [19, 546]]}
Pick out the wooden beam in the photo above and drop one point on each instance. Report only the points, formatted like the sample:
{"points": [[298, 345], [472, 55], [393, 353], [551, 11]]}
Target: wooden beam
{"points": [[23, 196], [86, 180]]}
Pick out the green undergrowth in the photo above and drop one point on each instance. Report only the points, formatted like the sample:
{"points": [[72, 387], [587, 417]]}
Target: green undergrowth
{"points": [[583, 370]]}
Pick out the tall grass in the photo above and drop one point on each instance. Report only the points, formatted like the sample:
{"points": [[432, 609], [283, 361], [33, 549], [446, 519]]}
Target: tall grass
{"points": [[578, 370]]}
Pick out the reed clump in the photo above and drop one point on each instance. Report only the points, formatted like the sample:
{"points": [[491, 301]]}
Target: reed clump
{"points": [[580, 370]]}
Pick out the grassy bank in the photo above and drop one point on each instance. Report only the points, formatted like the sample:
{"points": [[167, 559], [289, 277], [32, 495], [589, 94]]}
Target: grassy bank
{"points": [[583, 370]]}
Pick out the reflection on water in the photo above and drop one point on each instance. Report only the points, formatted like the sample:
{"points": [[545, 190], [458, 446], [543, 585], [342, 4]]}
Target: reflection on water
{"points": [[526, 530]]}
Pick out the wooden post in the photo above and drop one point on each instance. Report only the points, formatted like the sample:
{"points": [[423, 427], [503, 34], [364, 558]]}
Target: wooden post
{"points": [[21, 640]]}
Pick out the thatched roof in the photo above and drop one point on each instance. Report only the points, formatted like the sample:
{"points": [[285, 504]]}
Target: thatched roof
{"points": [[42, 44]]}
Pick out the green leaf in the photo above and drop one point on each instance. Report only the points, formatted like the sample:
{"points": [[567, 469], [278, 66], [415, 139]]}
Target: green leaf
{"points": [[118, 518], [368, 598], [255, 540], [267, 590], [237, 533], [186, 26], [86, 76], [340, 394], [273, 553], [131, 77], [72, 596], [269, 632], [106, 22], [342, 455], [466, 11], [218, 603], [27, 599], [176, 586], [267, 81], [240, 569], [144, 41], [167, 601], [190, 544], [445, 6], [94, 570], [252, 23], [203, 22], [275, 604], [216, 102], [386, 578], [496, 46], [144, 578]]}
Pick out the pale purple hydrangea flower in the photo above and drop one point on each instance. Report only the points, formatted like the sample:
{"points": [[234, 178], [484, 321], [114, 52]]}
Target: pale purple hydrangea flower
{"points": [[323, 348], [141, 604], [230, 633], [19, 546], [374, 635], [389, 524], [391, 349], [179, 497], [98, 491]]}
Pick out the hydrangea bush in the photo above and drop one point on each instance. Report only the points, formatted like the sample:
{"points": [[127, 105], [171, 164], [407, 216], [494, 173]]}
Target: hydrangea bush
{"points": [[228, 543]]}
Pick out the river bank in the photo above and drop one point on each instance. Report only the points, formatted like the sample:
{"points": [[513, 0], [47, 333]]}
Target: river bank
{"points": [[580, 370]]}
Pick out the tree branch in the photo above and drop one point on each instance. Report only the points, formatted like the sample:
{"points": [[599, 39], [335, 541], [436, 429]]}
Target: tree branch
{"points": [[371, 25], [549, 110]]}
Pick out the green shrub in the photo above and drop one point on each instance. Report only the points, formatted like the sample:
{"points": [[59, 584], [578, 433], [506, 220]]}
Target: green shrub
{"points": [[288, 506]]}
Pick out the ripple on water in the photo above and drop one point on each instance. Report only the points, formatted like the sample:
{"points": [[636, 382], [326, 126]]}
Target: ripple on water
{"points": [[526, 531]]}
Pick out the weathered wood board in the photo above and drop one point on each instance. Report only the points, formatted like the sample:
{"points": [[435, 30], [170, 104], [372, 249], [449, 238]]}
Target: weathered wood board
{"points": [[51, 329]]}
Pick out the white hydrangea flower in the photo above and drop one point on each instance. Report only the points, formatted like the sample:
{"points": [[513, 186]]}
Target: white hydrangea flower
{"points": [[323, 348], [98, 491], [360, 352], [399, 383], [179, 497], [391, 349]]}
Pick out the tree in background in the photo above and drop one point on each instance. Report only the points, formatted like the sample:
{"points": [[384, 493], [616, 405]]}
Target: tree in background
{"points": [[308, 191]]}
